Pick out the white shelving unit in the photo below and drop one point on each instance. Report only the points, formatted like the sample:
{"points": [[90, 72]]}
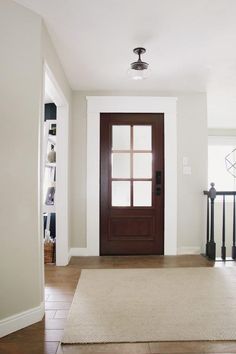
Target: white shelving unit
{"points": [[49, 169], [50, 164], [49, 208]]}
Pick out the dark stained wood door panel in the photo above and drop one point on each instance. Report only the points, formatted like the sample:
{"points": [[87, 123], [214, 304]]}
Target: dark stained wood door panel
{"points": [[131, 183]]}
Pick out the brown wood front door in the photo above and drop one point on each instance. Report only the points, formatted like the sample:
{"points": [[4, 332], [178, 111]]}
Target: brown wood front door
{"points": [[131, 183]]}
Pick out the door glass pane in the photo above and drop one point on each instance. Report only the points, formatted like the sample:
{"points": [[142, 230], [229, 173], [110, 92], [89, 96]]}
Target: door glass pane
{"points": [[120, 193], [120, 137], [142, 193], [142, 137], [120, 165], [143, 165]]}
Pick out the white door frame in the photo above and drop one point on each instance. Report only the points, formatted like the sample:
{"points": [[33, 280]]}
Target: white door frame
{"points": [[61, 196], [130, 104]]}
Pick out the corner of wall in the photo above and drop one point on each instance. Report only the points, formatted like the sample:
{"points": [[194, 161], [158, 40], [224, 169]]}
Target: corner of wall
{"points": [[21, 320]]}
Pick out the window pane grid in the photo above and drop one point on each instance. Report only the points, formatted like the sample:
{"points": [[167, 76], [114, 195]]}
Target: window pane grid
{"points": [[133, 202]]}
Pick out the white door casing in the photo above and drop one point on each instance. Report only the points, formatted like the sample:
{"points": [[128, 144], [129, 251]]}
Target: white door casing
{"points": [[130, 104]]}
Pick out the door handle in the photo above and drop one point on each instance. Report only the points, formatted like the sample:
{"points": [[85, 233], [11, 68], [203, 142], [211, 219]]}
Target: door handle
{"points": [[158, 182], [158, 177]]}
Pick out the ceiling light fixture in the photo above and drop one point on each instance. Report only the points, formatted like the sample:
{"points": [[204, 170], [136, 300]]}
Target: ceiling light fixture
{"points": [[139, 70]]}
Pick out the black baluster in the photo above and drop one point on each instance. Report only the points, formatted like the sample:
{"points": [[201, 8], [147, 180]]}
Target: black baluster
{"points": [[211, 248], [234, 247], [207, 233], [223, 248]]}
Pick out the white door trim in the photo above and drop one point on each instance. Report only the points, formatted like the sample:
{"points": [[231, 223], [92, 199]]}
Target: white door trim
{"points": [[131, 104], [62, 229]]}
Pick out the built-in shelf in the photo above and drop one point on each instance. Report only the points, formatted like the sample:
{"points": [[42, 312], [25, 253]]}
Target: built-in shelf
{"points": [[49, 208], [50, 164], [52, 139]]}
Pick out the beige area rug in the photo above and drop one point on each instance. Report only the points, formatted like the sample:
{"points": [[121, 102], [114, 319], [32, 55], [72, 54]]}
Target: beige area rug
{"points": [[147, 305]]}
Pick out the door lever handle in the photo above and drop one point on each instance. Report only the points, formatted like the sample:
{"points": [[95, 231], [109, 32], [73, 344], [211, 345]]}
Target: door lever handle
{"points": [[158, 177], [158, 182]]}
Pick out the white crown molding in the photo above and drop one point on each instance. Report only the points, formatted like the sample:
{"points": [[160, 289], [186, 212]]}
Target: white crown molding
{"points": [[21, 320]]}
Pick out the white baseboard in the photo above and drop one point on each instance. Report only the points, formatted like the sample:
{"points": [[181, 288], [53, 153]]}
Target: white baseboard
{"points": [[79, 251], [84, 252], [21, 320], [188, 250]]}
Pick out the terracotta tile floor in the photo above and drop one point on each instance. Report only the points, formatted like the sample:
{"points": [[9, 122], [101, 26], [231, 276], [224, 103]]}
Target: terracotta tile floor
{"points": [[44, 337]]}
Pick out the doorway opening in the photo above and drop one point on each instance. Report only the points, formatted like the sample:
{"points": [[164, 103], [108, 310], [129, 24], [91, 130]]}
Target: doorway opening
{"points": [[54, 171], [49, 179], [221, 171]]}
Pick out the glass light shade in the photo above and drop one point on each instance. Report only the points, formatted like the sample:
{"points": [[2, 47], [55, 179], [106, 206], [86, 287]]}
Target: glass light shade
{"points": [[138, 74]]}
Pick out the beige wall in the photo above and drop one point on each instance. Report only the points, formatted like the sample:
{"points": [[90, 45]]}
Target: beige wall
{"points": [[78, 171], [192, 143], [25, 44], [20, 92]]}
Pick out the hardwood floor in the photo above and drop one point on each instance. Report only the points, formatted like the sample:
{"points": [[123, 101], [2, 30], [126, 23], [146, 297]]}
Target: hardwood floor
{"points": [[44, 337]]}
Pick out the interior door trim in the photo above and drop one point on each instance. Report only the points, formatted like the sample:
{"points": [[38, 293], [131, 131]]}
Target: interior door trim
{"points": [[124, 104]]}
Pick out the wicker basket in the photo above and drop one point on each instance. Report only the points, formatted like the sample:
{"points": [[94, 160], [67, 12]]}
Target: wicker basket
{"points": [[49, 252]]}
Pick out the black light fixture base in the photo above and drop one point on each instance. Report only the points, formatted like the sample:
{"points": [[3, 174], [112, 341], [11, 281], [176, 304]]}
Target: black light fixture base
{"points": [[139, 50], [139, 68], [139, 64]]}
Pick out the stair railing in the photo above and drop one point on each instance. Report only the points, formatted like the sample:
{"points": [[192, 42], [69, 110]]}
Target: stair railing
{"points": [[210, 231]]}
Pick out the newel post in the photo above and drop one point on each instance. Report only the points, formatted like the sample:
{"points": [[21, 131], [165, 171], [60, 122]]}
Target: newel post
{"points": [[211, 248], [208, 225]]}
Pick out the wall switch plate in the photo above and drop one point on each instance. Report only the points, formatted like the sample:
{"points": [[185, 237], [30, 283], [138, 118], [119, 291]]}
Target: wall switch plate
{"points": [[187, 170]]}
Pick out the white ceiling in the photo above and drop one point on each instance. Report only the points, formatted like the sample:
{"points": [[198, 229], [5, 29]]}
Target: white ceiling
{"points": [[190, 45]]}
